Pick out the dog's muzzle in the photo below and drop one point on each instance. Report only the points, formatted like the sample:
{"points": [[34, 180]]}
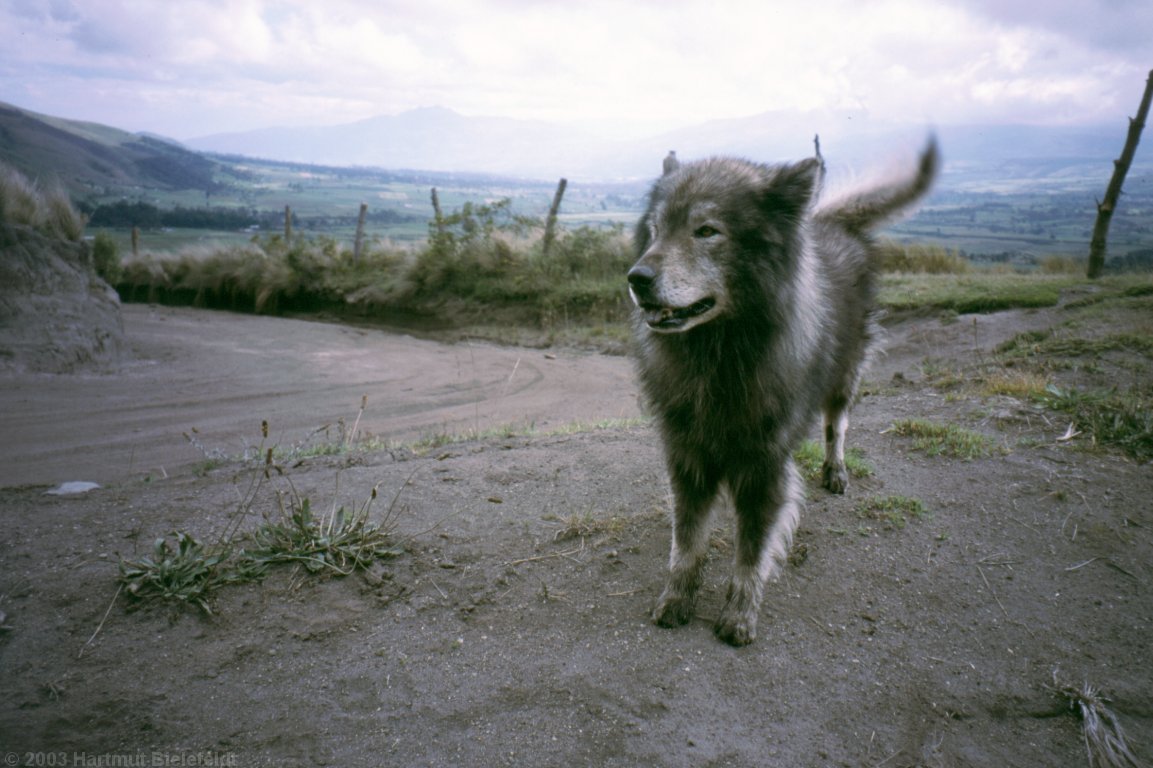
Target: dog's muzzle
{"points": [[658, 316]]}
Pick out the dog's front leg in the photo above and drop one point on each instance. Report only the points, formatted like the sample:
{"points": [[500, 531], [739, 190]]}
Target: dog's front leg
{"points": [[767, 510], [834, 475], [693, 492]]}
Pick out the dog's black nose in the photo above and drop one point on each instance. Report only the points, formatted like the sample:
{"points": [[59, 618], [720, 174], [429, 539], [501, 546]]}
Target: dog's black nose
{"points": [[641, 277]]}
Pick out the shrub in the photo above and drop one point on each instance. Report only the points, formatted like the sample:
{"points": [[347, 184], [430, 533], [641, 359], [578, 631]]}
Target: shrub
{"points": [[19, 198], [106, 258], [1061, 265], [922, 259], [49, 212]]}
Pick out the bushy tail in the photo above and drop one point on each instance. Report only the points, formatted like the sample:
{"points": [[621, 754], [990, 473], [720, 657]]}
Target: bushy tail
{"points": [[862, 212]]}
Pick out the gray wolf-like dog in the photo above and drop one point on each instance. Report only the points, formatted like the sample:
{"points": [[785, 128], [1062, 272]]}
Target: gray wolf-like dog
{"points": [[754, 312]]}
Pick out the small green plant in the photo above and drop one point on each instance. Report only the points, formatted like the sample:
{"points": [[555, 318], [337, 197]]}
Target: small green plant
{"points": [[894, 511], [586, 524], [1049, 344], [946, 439], [580, 427], [106, 258], [188, 573], [1013, 382], [339, 542], [810, 457], [1123, 420], [443, 438]]}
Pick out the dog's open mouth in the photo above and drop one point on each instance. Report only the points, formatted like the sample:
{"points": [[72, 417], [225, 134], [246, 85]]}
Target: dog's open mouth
{"points": [[672, 318]]}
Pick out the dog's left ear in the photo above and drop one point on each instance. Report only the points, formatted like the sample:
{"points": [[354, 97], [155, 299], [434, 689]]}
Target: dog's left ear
{"points": [[791, 190]]}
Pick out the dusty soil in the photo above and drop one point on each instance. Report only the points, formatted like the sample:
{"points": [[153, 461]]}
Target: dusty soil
{"points": [[513, 628]]}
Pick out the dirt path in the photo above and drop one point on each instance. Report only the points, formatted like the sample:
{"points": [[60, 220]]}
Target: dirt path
{"points": [[222, 373], [513, 629]]}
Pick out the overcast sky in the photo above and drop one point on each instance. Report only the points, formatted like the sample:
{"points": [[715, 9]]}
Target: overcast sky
{"points": [[187, 68]]}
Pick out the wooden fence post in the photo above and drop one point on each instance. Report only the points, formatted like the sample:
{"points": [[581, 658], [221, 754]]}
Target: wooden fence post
{"points": [[287, 223], [1106, 207], [550, 222], [359, 233], [135, 241], [437, 216]]}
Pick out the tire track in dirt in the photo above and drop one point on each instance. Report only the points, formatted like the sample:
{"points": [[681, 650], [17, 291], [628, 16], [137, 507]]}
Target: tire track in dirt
{"points": [[223, 373]]}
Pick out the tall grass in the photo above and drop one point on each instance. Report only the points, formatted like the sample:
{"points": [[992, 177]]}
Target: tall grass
{"points": [[477, 262], [485, 268], [46, 209], [922, 259]]}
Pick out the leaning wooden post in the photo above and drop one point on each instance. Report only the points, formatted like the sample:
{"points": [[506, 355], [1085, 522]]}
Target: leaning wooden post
{"points": [[136, 241], [437, 216], [1121, 165], [359, 233], [287, 223], [550, 222]]}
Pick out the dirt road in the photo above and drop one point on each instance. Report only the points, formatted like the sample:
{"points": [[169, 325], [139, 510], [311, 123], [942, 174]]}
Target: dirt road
{"points": [[222, 374], [929, 617]]}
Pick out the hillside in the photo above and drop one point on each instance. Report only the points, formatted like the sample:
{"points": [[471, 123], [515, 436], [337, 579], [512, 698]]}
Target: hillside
{"points": [[56, 314], [89, 158], [1007, 193]]}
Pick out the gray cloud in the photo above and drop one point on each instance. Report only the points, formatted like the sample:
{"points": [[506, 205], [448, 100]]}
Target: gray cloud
{"points": [[1112, 26], [201, 66]]}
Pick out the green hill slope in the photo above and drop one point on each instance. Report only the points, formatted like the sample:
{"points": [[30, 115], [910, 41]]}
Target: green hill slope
{"points": [[88, 158]]}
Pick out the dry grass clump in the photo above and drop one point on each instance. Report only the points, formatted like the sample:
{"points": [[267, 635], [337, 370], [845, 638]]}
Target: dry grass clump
{"points": [[483, 261], [1106, 744], [27, 203], [1061, 265], [922, 259], [338, 542], [935, 439]]}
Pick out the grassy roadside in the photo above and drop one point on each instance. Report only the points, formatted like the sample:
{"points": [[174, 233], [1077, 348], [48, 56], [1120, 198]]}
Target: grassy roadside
{"points": [[485, 273]]}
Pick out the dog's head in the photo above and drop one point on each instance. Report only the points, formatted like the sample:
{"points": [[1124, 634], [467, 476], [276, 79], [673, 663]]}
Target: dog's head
{"points": [[711, 227]]}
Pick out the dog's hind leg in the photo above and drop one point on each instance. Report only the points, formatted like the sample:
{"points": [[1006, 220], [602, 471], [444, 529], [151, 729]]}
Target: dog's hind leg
{"points": [[767, 511], [834, 475], [694, 490]]}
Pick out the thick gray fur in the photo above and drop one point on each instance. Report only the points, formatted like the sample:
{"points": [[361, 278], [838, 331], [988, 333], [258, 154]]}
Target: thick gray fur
{"points": [[754, 313]]}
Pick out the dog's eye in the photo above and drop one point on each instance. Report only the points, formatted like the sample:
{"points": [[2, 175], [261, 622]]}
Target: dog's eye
{"points": [[705, 231]]}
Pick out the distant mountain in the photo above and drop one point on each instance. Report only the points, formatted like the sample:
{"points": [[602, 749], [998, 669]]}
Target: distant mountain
{"points": [[92, 158], [88, 157], [438, 139], [429, 139]]}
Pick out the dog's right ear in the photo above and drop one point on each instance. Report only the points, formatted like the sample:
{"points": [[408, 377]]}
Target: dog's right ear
{"points": [[792, 189], [671, 163]]}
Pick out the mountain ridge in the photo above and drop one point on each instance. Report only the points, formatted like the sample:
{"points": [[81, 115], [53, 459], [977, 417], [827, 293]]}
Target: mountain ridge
{"points": [[439, 139], [89, 157]]}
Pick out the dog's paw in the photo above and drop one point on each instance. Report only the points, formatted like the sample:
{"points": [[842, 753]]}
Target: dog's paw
{"points": [[835, 477], [736, 629], [673, 610]]}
